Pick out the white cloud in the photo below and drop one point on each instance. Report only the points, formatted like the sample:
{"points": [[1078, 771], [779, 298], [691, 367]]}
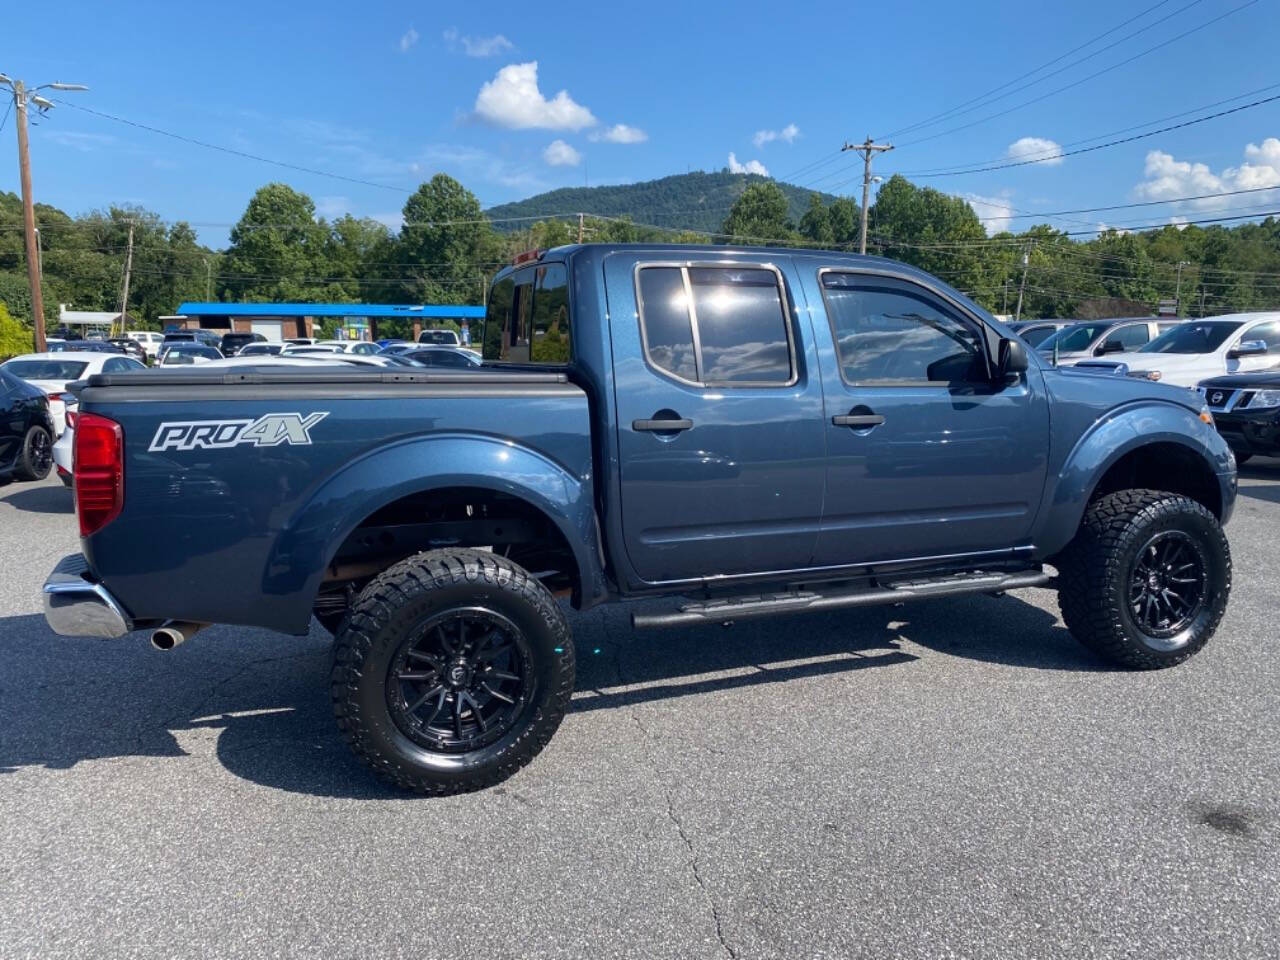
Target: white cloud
{"points": [[86, 142], [751, 166], [996, 213], [1167, 178], [1046, 152], [787, 134], [477, 46], [512, 100], [332, 207], [619, 133], [408, 40], [560, 154]]}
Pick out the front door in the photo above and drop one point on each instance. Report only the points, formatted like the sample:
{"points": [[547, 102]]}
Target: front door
{"points": [[926, 456], [719, 418]]}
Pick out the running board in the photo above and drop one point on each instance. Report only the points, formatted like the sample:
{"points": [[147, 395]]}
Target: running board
{"points": [[810, 601]]}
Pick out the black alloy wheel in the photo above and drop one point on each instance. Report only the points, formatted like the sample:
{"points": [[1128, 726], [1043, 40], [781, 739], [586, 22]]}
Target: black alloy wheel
{"points": [[461, 680], [1167, 588]]}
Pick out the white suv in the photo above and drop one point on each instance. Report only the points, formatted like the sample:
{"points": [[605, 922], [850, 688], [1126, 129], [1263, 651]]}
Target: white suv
{"points": [[1196, 350], [148, 340]]}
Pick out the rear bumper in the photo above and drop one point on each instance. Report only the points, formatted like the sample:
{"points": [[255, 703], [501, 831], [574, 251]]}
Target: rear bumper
{"points": [[75, 606]]}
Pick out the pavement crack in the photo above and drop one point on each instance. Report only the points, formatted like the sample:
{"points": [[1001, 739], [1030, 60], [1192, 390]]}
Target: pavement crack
{"points": [[695, 866]]}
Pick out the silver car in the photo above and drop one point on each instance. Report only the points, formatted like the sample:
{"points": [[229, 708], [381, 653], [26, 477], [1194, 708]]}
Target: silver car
{"points": [[1097, 338]]}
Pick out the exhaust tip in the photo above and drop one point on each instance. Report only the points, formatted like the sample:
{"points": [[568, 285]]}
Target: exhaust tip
{"points": [[174, 632]]}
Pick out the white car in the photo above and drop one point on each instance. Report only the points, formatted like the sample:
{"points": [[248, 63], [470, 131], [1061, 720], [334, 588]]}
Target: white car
{"points": [[51, 372], [1196, 350], [148, 340], [358, 347], [187, 352]]}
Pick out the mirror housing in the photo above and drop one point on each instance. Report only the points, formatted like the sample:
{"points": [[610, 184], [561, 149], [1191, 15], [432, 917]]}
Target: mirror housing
{"points": [[1247, 348], [1012, 359], [1111, 346]]}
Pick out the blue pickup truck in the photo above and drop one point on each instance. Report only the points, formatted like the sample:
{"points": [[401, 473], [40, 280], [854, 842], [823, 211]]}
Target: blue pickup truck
{"points": [[747, 431]]}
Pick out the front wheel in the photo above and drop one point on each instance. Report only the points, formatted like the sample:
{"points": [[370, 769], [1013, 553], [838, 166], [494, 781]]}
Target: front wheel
{"points": [[452, 670], [1145, 581]]}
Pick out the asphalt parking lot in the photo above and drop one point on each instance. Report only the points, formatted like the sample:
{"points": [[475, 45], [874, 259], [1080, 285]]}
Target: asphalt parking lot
{"points": [[952, 779]]}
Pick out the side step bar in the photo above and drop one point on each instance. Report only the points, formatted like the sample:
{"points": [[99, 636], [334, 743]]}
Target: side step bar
{"points": [[808, 601]]}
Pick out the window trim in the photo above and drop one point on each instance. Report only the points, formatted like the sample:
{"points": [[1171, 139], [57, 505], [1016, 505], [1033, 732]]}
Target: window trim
{"points": [[952, 307], [512, 273], [684, 266]]}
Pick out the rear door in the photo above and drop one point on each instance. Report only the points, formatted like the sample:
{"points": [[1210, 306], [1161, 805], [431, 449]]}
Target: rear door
{"points": [[719, 417], [927, 457]]}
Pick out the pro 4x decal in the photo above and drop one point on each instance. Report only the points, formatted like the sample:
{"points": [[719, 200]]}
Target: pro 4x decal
{"points": [[269, 430]]}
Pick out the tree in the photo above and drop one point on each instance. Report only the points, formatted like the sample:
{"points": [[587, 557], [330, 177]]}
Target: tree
{"points": [[446, 244], [277, 248], [932, 230], [759, 215], [15, 337], [815, 225], [845, 221]]}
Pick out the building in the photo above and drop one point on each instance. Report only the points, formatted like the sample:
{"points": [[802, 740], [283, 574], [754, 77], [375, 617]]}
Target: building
{"points": [[82, 322], [280, 321]]}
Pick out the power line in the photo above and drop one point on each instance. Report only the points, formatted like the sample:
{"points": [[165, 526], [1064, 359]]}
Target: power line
{"points": [[1086, 79], [1127, 206], [938, 117]]}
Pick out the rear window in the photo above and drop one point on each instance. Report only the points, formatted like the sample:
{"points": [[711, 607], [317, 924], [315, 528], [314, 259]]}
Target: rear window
{"points": [[527, 319], [438, 337], [716, 325], [46, 369]]}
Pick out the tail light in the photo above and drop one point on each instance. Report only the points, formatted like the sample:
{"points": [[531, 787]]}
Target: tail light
{"points": [[98, 468]]}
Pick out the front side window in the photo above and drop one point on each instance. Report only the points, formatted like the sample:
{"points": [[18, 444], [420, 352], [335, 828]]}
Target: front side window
{"points": [[1193, 336], [527, 320], [1132, 337], [1268, 333], [892, 332], [716, 325]]}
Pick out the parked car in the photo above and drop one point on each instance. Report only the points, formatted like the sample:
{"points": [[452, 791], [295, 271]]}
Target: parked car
{"points": [[1098, 338], [54, 344], [1196, 350], [1246, 409], [185, 353], [205, 337], [149, 340], [51, 372], [260, 350], [26, 430], [453, 357], [699, 437], [299, 349], [358, 347], [91, 346], [130, 347], [400, 346], [299, 341], [233, 343], [1035, 332], [445, 338]]}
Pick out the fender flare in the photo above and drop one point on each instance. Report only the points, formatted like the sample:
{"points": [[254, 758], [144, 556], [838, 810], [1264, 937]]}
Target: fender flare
{"points": [[1112, 437], [310, 538]]}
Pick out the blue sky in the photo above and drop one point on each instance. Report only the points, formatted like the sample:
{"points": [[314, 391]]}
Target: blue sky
{"points": [[393, 92]]}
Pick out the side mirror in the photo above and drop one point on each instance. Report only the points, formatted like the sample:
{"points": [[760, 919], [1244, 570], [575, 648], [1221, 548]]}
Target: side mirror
{"points": [[1111, 346], [1012, 359], [1248, 348]]}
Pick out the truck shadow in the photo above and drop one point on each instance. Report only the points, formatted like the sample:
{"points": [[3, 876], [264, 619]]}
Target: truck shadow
{"points": [[41, 498], [259, 701]]}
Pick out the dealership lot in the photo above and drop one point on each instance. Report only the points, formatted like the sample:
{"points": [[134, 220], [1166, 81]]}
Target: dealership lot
{"points": [[952, 778]]}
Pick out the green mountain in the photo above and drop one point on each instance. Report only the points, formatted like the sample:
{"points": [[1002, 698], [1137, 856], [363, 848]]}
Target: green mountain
{"points": [[695, 201]]}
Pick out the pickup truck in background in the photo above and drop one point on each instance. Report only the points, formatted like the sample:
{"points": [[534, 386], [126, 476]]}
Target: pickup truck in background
{"points": [[754, 431]]}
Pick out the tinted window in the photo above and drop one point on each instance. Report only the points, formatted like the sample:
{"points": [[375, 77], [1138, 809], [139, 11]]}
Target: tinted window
{"points": [[1192, 337], [1131, 337], [550, 336], [1268, 333], [1036, 335], [1076, 337], [742, 325], [527, 320], [898, 333], [46, 369], [733, 332], [668, 334], [438, 336]]}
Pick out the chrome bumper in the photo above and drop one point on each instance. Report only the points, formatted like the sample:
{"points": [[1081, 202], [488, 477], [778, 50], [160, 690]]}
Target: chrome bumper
{"points": [[75, 606]]}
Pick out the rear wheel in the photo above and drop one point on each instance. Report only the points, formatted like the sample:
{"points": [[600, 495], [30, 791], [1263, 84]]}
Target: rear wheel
{"points": [[1146, 580], [452, 670], [35, 459]]}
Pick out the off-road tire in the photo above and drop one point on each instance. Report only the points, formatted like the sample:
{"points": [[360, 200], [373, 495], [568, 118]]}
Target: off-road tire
{"points": [[34, 460], [1096, 568], [384, 617]]}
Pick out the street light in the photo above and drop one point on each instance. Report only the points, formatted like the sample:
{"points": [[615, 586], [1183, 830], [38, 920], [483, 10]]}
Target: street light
{"points": [[21, 95]]}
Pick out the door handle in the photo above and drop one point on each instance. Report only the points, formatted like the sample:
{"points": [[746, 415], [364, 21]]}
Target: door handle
{"points": [[857, 420], [661, 426]]}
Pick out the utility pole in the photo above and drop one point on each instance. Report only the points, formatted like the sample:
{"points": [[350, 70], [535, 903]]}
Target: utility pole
{"points": [[1026, 261], [21, 95], [208, 280], [867, 148], [1178, 293], [124, 290], [579, 228], [1202, 299], [1004, 310]]}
